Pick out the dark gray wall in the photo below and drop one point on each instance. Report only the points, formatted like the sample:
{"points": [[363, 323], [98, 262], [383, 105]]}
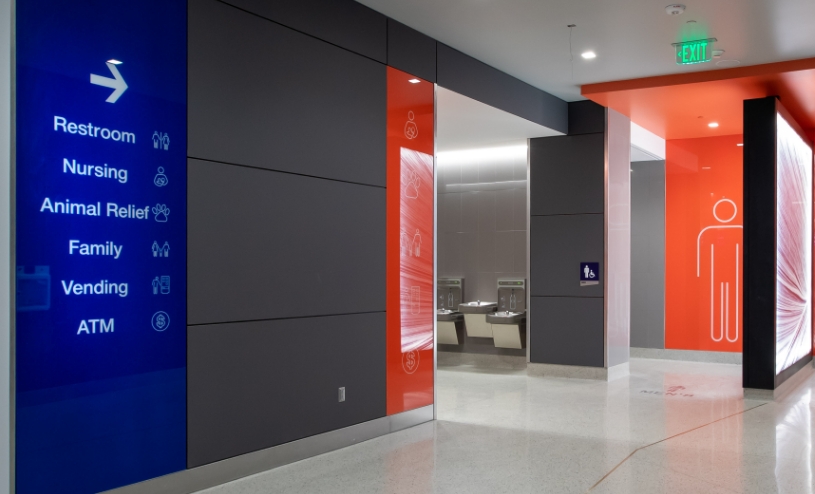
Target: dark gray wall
{"points": [[290, 103], [466, 75], [411, 51], [567, 197], [344, 23], [648, 254], [286, 223], [258, 384], [286, 211]]}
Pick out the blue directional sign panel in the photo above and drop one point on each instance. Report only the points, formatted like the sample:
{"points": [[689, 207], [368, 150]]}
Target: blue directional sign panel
{"points": [[100, 243]]}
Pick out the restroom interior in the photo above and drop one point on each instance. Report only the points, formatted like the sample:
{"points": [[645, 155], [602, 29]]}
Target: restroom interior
{"points": [[483, 216]]}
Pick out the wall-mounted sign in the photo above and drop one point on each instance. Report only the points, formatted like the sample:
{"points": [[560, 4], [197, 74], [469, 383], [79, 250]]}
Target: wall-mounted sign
{"points": [[100, 243], [589, 273], [693, 52]]}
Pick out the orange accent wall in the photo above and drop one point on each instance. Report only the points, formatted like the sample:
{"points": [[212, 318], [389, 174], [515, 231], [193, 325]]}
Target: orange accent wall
{"points": [[410, 230], [679, 106], [704, 251]]}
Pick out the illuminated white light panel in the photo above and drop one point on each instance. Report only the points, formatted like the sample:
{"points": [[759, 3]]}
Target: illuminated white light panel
{"points": [[793, 317]]}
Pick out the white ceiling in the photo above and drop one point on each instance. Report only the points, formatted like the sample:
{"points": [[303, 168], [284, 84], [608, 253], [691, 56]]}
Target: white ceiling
{"points": [[529, 39], [464, 123]]}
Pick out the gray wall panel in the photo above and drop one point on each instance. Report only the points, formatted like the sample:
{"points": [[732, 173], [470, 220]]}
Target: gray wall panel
{"points": [[567, 174], [263, 95], [466, 75], [568, 331], [266, 245], [648, 254], [586, 117], [411, 51], [260, 384], [344, 23], [558, 245]]}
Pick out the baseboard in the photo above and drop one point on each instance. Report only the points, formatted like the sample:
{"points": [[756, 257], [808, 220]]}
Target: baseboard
{"points": [[485, 360], [578, 371], [784, 389], [687, 355], [221, 472]]}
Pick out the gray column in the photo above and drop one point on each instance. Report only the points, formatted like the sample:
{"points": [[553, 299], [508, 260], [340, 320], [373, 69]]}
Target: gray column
{"points": [[580, 212], [648, 254], [6, 252]]}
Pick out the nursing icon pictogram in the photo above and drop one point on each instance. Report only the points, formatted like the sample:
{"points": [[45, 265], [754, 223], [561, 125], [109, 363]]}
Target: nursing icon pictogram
{"points": [[411, 129], [722, 281]]}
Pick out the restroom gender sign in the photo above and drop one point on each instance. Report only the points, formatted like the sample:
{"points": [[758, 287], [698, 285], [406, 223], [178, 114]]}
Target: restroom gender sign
{"points": [[589, 273]]}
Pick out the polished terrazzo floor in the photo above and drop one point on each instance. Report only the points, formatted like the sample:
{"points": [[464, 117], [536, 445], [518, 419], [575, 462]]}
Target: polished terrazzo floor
{"points": [[686, 423]]}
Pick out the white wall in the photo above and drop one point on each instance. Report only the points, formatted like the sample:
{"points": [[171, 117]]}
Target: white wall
{"points": [[645, 145]]}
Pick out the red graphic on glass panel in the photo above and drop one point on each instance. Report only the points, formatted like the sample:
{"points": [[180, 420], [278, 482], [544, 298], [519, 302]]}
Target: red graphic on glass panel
{"points": [[793, 320], [410, 288], [416, 265]]}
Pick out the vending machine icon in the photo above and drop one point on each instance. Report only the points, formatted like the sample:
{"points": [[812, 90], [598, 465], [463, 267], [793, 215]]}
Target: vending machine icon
{"points": [[415, 300]]}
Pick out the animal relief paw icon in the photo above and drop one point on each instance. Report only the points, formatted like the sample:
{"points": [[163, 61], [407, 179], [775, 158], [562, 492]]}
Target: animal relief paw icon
{"points": [[411, 129], [161, 211], [412, 184]]}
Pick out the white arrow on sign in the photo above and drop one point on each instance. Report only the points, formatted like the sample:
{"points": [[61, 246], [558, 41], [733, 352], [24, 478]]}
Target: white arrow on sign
{"points": [[118, 83]]}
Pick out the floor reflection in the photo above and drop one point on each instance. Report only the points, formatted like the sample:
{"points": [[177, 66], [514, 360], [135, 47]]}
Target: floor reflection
{"points": [[502, 432]]}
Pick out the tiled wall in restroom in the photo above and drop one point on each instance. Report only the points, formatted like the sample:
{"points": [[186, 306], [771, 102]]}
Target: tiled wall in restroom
{"points": [[482, 217]]}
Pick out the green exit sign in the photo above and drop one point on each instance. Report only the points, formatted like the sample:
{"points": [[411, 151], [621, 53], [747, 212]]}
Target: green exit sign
{"points": [[693, 52]]}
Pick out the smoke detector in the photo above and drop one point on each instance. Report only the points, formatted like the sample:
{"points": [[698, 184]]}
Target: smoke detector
{"points": [[675, 9]]}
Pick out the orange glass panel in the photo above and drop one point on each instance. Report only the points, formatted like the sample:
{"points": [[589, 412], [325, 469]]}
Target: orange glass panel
{"points": [[410, 200], [704, 248]]}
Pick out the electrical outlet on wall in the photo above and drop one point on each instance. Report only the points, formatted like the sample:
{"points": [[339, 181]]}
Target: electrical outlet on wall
{"points": [[341, 394]]}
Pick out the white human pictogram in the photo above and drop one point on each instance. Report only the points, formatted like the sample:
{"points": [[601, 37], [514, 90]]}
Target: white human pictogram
{"points": [[724, 286], [404, 244], [156, 249], [416, 247], [411, 129], [156, 139]]}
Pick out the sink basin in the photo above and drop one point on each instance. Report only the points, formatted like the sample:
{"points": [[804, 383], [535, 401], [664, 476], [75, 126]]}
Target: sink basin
{"points": [[448, 315], [506, 317], [478, 307]]}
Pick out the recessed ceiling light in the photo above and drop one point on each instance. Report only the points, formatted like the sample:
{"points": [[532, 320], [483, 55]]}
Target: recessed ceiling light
{"points": [[675, 9], [588, 55], [114, 61], [741, 145], [713, 125], [414, 81]]}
